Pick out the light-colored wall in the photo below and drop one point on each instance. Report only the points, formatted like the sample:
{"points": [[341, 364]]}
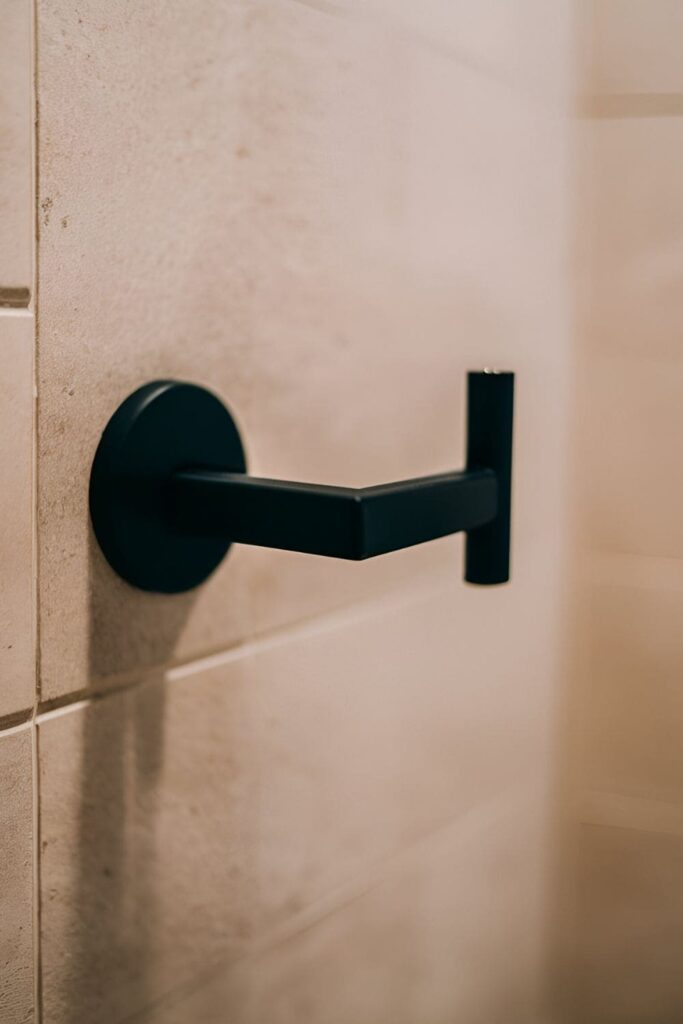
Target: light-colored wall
{"points": [[309, 791], [627, 760]]}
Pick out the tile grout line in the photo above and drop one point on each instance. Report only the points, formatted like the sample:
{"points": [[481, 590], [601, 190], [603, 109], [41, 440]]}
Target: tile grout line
{"points": [[78, 705], [21, 312], [35, 742], [37, 958], [316, 625], [17, 727], [603, 808], [615, 554], [628, 106], [601, 566], [466, 59]]}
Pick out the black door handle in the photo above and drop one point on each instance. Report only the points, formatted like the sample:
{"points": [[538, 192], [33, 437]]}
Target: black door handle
{"points": [[169, 493]]}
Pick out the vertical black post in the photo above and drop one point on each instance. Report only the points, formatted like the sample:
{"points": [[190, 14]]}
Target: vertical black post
{"points": [[490, 399]]}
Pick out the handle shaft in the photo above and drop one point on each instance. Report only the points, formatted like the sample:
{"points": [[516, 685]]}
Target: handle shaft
{"points": [[342, 522]]}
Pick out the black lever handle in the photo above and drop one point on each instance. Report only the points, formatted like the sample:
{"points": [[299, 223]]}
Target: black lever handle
{"points": [[339, 521], [169, 493]]}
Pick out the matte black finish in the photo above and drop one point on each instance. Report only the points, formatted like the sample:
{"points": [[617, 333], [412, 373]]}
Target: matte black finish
{"points": [[339, 521], [169, 493], [160, 428], [490, 402]]}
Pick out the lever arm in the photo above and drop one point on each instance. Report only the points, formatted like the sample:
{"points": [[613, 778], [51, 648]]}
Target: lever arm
{"points": [[343, 522]]}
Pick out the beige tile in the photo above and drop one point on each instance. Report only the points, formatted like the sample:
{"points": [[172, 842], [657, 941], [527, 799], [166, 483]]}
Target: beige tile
{"points": [[629, 928], [633, 236], [637, 46], [264, 200], [16, 130], [182, 820], [17, 661], [631, 704], [449, 931], [144, 861], [377, 733], [631, 418], [16, 877], [527, 44]]}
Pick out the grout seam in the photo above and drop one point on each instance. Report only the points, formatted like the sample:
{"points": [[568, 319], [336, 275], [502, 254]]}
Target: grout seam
{"points": [[35, 744], [625, 106], [37, 950], [14, 730], [602, 567], [302, 629], [14, 298], [467, 60], [16, 720], [16, 312], [615, 809]]}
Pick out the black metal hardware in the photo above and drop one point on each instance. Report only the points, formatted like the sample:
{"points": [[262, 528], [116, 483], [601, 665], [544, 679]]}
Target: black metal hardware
{"points": [[169, 493]]}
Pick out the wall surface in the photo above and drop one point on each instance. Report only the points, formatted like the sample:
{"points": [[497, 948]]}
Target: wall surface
{"points": [[625, 964], [308, 791]]}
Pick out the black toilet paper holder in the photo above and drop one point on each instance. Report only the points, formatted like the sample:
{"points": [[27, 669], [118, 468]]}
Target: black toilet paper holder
{"points": [[169, 493]]}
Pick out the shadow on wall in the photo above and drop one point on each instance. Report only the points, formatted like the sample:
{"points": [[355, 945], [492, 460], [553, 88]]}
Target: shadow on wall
{"points": [[131, 630], [114, 906]]}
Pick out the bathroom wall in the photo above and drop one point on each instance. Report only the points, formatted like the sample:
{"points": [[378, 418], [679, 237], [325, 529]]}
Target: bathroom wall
{"points": [[309, 790], [627, 778]]}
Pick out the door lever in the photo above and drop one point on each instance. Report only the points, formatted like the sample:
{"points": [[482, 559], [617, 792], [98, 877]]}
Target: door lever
{"points": [[169, 493]]}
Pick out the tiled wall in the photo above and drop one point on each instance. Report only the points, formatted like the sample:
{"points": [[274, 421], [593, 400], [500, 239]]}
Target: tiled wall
{"points": [[309, 791], [628, 702]]}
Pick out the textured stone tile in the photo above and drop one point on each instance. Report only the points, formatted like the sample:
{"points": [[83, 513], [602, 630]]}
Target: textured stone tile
{"points": [[16, 169], [16, 877], [17, 657]]}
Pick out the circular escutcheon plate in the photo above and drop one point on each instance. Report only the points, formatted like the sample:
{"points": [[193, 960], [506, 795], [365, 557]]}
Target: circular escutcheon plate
{"points": [[159, 429]]}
